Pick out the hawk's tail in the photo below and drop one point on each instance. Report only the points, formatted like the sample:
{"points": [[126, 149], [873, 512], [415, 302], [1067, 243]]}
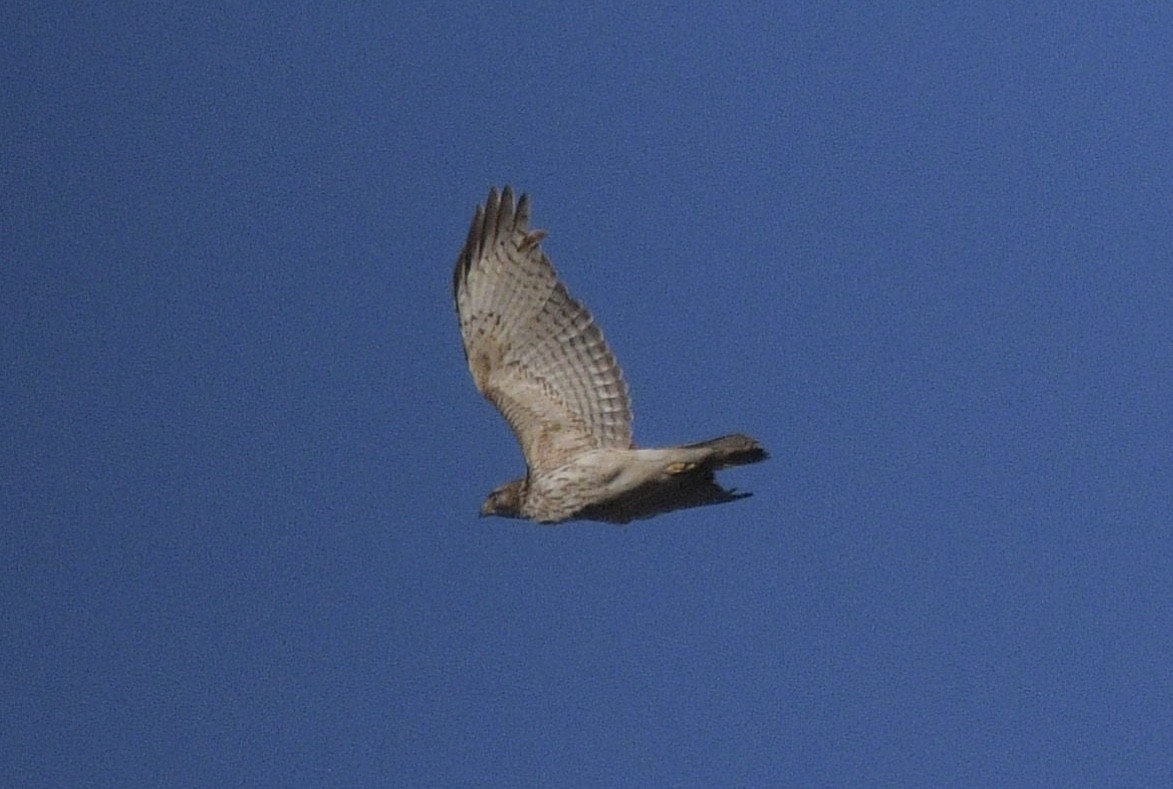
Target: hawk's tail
{"points": [[734, 450]]}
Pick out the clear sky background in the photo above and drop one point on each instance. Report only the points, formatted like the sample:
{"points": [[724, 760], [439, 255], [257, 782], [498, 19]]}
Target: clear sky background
{"points": [[924, 255]]}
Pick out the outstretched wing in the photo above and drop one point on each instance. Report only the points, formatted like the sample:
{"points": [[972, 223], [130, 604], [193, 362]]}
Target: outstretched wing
{"points": [[534, 351]]}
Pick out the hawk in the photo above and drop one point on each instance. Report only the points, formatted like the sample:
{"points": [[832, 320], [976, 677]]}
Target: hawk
{"points": [[536, 354]]}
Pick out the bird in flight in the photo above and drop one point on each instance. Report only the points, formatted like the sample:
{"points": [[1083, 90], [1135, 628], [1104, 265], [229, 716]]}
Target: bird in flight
{"points": [[537, 355]]}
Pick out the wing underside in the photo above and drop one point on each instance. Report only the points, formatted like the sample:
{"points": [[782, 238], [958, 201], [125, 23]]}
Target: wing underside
{"points": [[533, 350]]}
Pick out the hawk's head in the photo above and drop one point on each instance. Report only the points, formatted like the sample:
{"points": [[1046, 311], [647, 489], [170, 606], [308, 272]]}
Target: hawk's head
{"points": [[505, 500]]}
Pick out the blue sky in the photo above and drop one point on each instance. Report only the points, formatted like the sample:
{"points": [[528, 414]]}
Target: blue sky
{"points": [[922, 254]]}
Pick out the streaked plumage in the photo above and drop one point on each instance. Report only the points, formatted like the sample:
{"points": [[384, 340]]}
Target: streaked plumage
{"points": [[536, 354]]}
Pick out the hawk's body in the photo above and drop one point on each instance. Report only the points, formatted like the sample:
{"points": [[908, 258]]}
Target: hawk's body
{"points": [[537, 355]]}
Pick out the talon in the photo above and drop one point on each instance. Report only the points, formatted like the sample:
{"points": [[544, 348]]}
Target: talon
{"points": [[679, 467]]}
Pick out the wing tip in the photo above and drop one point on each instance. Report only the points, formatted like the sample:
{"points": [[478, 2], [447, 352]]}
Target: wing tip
{"points": [[498, 216]]}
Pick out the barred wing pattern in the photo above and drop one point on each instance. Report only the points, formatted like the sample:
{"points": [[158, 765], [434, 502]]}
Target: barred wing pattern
{"points": [[535, 352]]}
